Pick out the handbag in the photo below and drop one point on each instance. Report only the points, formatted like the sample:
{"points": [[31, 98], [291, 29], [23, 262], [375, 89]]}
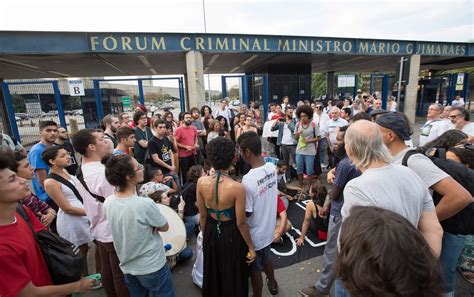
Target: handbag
{"points": [[63, 258]]}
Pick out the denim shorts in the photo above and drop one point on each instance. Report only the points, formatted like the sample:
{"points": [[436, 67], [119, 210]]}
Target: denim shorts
{"points": [[305, 161], [262, 258]]}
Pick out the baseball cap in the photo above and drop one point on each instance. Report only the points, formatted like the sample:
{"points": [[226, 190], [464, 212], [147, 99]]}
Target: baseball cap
{"points": [[378, 111], [394, 122]]}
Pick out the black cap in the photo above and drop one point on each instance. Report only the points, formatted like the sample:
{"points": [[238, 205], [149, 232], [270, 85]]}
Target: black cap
{"points": [[378, 111], [394, 122]]}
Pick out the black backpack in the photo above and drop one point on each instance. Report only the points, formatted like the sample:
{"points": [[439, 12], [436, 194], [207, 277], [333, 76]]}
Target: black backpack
{"points": [[463, 221], [63, 258]]}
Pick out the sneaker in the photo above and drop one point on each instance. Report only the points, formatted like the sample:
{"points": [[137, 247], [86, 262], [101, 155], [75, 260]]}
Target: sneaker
{"points": [[273, 290], [312, 292], [97, 286]]}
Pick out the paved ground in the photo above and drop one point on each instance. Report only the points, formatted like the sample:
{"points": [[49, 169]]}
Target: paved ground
{"points": [[291, 279]]}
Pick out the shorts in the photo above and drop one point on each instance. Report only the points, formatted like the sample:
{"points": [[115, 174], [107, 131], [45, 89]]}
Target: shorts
{"points": [[262, 258], [305, 162]]}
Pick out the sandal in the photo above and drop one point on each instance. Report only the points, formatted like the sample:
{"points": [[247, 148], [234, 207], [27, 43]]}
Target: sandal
{"points": [[272, 290]]}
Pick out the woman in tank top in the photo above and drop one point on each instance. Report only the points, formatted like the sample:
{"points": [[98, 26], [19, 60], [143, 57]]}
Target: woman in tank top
{"points": [[227, 246], [72, 222]]}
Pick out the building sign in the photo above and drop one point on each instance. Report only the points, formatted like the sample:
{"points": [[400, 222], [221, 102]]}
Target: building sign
{"points": [[459, 81], [76, 88], [12, 42], [124, 42], [344, 81]]}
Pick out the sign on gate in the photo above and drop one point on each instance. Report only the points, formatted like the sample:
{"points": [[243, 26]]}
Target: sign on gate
{"points": [[344, 81], [76, 88]]}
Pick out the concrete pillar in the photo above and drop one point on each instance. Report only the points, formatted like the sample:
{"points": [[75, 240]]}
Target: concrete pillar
{"points": [[195, 79], [330, 83], [411, 89]]}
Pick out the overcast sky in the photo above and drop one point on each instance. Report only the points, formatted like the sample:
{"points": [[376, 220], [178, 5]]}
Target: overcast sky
{"points": [[435, 20], [440, 20]]}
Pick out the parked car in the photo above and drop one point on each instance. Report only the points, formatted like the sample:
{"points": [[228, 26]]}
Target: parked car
{"points": [[235, 103], [21, 115]]}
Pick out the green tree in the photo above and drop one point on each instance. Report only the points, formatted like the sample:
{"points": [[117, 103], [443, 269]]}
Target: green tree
{"points": [[318, 84]]}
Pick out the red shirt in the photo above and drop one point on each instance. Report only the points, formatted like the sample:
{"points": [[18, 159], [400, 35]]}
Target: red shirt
{"points": [[185, 136], [280, 206], [21, 260], [276, 116]]}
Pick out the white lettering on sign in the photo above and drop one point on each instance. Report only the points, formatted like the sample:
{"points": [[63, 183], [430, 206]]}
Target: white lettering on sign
{"points": [[76, 88]]}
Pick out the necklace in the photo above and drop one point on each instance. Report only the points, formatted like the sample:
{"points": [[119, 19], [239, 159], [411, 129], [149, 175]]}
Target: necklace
{"points": [[302, 125]]}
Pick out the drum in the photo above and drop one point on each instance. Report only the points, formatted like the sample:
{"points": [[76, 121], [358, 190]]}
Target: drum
{"points": [[175, 236]]}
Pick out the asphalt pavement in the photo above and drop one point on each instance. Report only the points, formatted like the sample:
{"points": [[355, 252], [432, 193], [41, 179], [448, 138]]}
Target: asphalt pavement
{"points": [[290, 279]]}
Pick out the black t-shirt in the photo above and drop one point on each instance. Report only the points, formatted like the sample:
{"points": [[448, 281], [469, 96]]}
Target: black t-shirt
{"points": [[163, 148], [189, 197]]}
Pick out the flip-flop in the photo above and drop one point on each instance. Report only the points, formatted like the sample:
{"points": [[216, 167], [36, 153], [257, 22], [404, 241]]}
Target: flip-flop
{"points": [[273, 290], [465, 277]]}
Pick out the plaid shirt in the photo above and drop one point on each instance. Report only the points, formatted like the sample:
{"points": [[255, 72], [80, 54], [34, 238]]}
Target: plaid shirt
{"points": [[35, 205]]}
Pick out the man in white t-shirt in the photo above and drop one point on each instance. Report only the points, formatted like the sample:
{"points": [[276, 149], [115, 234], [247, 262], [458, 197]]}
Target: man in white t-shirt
{"points": [[451, 197], [433, 127], [223, 111], [330, 129], [261, 206], [406, 195], [460, 118], [93, 146]]}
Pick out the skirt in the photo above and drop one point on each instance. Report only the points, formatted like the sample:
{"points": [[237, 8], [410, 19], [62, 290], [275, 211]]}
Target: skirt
{"points": [[225, 270]]}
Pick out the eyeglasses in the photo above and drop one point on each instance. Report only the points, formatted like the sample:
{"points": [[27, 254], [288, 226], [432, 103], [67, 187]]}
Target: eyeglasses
{"points": [[140, 167], [454, 116]]}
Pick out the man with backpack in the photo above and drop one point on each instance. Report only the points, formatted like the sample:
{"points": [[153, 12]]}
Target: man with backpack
{"points": [[23, 268], [93, 146], [450, 197]]}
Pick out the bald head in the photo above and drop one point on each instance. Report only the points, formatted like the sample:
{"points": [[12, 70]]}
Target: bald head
{"points": [[335, 112], [364, 144]]}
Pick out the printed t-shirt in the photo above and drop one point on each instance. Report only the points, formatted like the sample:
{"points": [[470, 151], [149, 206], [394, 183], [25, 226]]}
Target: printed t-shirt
{"points": [[21, 260], [330, 127], [163, 148], [34, 158], [431, 130], [311, 131], [261, 192], [185, 136], [132, 220]]}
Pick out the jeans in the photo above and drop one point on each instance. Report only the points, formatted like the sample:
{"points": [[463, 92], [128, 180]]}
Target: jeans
{"points": [[190, 227], [184, 164], [305, 161], [341, 291], [322, 150], [288, 153], [330, 253], [452, 247], [185, 254], [155, 284], [194, 219]]}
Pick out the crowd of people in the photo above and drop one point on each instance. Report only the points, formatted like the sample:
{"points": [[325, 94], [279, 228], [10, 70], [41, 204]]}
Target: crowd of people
{"points": [[395, 217]]}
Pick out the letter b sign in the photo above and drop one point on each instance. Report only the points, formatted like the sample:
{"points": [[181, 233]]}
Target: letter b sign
{"points": [[76, 88]]}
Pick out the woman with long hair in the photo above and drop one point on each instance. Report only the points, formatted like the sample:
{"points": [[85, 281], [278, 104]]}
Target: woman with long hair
{"points": [[72, 222], [227, 246], [169, 118]]}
